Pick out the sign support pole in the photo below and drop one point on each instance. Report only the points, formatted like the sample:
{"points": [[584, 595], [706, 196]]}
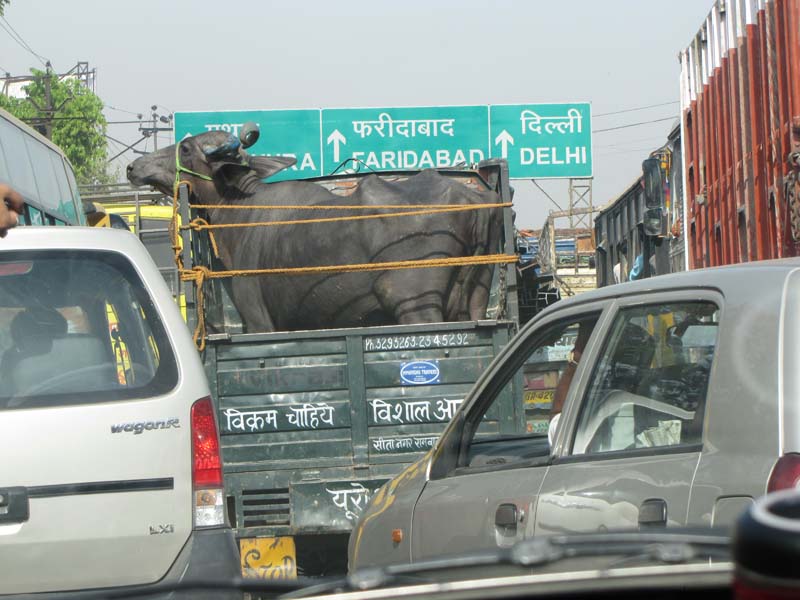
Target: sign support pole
{"points": [[580, 197]]}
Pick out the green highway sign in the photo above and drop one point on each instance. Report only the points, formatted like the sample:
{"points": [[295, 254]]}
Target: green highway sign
{"points": [[283, 132], [543, 140], [539, 140], [404, 138]]}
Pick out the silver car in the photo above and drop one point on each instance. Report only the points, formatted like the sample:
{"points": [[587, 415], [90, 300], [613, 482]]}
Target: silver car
{"points": [[674, 399], [111, 472]]}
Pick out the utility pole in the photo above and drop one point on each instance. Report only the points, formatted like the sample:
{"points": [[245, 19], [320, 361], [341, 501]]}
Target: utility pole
{"points": [[44, 125], [48, 101], [154, 128]]}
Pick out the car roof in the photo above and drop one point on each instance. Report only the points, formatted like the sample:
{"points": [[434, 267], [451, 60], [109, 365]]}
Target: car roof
{"points": [[79, 238], [729, 279]]}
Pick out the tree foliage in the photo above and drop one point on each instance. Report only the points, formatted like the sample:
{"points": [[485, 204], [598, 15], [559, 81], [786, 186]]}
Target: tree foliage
{"points": [[3, 4], [79, 126]]}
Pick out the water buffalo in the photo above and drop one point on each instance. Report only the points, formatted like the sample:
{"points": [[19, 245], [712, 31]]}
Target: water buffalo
{"points": [[273, 302]]}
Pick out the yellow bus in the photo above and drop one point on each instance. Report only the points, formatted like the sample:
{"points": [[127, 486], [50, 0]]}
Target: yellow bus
{"points": [[148, 215]]}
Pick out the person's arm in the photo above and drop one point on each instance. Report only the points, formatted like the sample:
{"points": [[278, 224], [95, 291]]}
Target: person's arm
{"points": [[562, 387], [10, 208]]}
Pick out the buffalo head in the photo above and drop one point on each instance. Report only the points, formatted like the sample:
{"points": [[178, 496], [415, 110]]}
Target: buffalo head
{"points": [[218, 157]]}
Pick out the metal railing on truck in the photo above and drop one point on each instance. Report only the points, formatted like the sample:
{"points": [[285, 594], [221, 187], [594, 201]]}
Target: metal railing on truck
{"points": [[147, 214], [313, 422], [560, 263]]}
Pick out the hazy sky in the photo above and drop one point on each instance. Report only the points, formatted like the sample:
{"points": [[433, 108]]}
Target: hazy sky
{"points": [[204, 55]]}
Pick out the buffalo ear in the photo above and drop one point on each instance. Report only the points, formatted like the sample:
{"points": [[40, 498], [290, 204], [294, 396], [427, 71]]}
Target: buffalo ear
{"points": [[267, 166]]}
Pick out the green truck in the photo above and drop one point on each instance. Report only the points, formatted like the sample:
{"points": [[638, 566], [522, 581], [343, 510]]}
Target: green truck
{"points": [[312, 423]]}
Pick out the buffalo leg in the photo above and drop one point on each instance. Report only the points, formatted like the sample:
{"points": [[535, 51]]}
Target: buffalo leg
{"points": [[413, 296], [479, 297], [252, 305]]}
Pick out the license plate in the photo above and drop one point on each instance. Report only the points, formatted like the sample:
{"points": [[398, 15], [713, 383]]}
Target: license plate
{"points": [[268, 558]]}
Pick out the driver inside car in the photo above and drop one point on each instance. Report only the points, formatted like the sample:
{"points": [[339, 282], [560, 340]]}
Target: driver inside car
{"points": [[32, 332], [559, 396]]}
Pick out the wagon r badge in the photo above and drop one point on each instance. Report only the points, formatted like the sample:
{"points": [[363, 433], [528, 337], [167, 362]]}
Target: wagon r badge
{"points": [[139, 427]]}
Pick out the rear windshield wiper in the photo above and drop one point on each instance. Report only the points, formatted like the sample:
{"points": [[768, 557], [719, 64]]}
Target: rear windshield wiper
{"points": [[663, 547]]}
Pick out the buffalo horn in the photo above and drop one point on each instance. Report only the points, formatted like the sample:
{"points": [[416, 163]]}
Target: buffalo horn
{"points": [[248, 134]]}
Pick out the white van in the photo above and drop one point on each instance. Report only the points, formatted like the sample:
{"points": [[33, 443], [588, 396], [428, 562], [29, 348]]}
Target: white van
{"points": [[111, 472]]}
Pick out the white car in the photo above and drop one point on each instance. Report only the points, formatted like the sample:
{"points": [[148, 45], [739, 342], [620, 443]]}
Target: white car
{"points": [[111, 473]]}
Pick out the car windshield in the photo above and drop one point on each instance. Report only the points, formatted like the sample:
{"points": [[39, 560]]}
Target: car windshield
{"points": [[78, 327], [311, 298]]}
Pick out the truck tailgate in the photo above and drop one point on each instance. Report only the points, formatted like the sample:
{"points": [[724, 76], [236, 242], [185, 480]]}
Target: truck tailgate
{"points": [[313, 422]]}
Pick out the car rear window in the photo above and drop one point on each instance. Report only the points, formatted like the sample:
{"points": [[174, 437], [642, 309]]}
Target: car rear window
{"points": [[78, 327]]}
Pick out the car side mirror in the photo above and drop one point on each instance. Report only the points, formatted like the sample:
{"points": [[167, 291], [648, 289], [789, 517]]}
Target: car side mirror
{"points": [[653, 197]]}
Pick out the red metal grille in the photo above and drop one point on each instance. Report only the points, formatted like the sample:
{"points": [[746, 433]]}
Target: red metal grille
{"points": [[741, 119]]}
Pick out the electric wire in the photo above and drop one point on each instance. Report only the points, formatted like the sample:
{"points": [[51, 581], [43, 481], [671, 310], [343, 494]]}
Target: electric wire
{"points": [[122, 110], [627, 110], [634, 124], [20, 40]]}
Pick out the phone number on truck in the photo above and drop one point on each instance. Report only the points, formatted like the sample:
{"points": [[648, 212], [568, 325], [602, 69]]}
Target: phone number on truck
{"points": [[412, 342]]}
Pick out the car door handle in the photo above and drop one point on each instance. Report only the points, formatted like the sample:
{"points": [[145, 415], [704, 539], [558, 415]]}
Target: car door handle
{"points": [[13, 505], [653, 513], [506, 516]]}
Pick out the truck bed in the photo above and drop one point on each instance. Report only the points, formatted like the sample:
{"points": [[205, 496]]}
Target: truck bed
{"points": [[312, 423]]}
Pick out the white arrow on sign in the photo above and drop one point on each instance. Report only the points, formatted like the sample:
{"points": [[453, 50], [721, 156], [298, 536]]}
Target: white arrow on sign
{"points": [[337, 138], [504, 139]]}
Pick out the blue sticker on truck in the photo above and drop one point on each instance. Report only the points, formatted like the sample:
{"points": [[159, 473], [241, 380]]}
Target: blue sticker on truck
{"points": [[419, 372]]}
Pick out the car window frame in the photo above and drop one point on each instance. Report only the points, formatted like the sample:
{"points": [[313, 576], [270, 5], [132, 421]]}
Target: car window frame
{"points": [[568, 430], [448, 459]]}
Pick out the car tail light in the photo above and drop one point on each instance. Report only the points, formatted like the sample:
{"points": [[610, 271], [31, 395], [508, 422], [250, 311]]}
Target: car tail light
{"points": [[206, 467], [785, 474], [15, 268]]}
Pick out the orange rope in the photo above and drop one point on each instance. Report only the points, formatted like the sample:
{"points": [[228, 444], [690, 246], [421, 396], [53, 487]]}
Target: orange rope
{"points": [[201, 226], [428, 263], [198, 276], [337, 207]]}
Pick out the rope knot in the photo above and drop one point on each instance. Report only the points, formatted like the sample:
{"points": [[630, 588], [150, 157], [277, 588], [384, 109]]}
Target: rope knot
{"points": [[198, 275], [200, 224]]}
